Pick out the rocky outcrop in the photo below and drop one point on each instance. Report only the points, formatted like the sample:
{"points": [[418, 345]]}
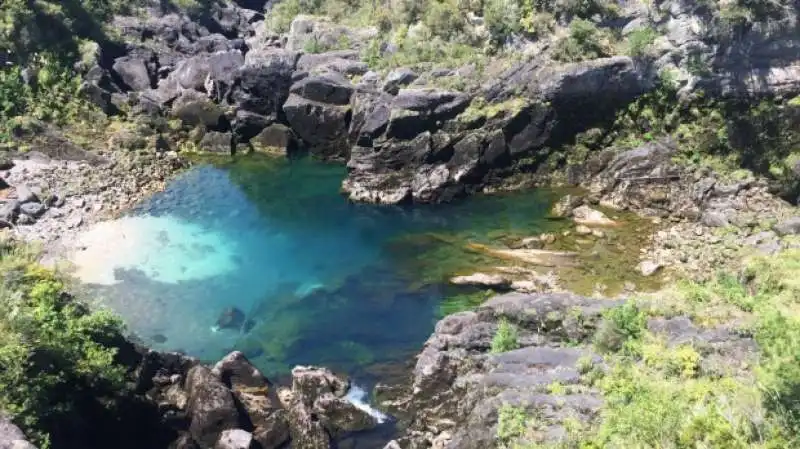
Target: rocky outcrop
{"points": [[11, 437], [462, 381], [404, 140], [233, 406], [431, 146], [459, 385], [647, 180]]}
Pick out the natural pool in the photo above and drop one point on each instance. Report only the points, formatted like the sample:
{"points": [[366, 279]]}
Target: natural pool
{"points": [[320, 280]]}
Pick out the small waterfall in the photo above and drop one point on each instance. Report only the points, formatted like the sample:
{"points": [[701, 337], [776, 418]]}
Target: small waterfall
{"points": [[358, 397]]}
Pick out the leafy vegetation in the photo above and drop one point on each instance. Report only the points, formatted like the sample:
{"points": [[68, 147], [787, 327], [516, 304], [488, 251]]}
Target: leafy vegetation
{"points": [[439, 31], [667, 395], [506, 337], [52, 352], [727, 135], [622, 328], [585, 41], [640, 41]]}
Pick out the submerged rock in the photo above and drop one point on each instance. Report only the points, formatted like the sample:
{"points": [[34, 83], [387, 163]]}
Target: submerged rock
{"points": [[585, 215], [483, 280], [649, 267], [231, 318]]}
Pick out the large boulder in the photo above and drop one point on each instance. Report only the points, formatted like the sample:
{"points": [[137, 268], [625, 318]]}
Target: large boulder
{"points": [[258, 398], [262, 85], [211, 407], [134, 72], [458, 386], [194, 108], [318, 392], [202, 71], [321, 126]]}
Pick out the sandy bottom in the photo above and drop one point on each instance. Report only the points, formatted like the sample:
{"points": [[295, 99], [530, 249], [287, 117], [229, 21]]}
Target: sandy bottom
{"points": [[162, 248]]}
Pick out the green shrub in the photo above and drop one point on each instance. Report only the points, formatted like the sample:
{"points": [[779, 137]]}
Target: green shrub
{"points": [[51, 358], [505, 339], [444, 19], [621, 328], [640, 41], [512, 423], [585, 41], [502, 18], [54, 97]]}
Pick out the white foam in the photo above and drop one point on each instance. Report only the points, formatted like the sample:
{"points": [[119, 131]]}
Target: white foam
{"points": [[165, 249], [358, 397]]}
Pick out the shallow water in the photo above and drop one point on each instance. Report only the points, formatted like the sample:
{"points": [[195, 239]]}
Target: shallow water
{"points": [[320, 280]]}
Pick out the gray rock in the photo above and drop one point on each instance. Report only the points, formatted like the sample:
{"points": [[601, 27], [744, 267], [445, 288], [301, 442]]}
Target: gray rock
{"points": [[346, 62], [9, 431], [332, 88], [715, 219], [9, 212], [25, 219], [24, 194], [195, 108], [257, 397], [398, 78], [585, 215], [273, 138], [196, 72], [788, 227], [565, 206], [211, 406], [458, 386], [35, 210], [483, 280], [262, 85], [321, 125], [235, 439], [217, 142], [133, 71], [649, 267]]}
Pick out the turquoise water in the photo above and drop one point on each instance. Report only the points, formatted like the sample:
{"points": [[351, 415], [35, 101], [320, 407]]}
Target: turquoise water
{"points": [[320, 280]]}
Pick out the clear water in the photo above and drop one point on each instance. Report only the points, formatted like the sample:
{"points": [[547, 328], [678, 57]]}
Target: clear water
{"points": [[321, 280]]}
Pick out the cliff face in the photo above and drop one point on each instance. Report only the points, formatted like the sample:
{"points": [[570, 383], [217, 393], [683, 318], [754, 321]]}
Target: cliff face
{"points": [[236, 86]]}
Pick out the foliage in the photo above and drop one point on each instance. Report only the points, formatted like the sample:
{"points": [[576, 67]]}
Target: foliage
{"points": [[51, 357], [464, 301], [640, 41], [506, 337], [502, 18], [52, 96], [31, 27], [511, 423], [585, 41], [621, 329]]}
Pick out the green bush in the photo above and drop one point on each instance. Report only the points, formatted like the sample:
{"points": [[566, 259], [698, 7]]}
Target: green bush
{"points": [[51, 358], [502, 18], [54, 96], [621, 328], [444, 19], [585, 41], [512, 423], [640, 41], [506, 337]]}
